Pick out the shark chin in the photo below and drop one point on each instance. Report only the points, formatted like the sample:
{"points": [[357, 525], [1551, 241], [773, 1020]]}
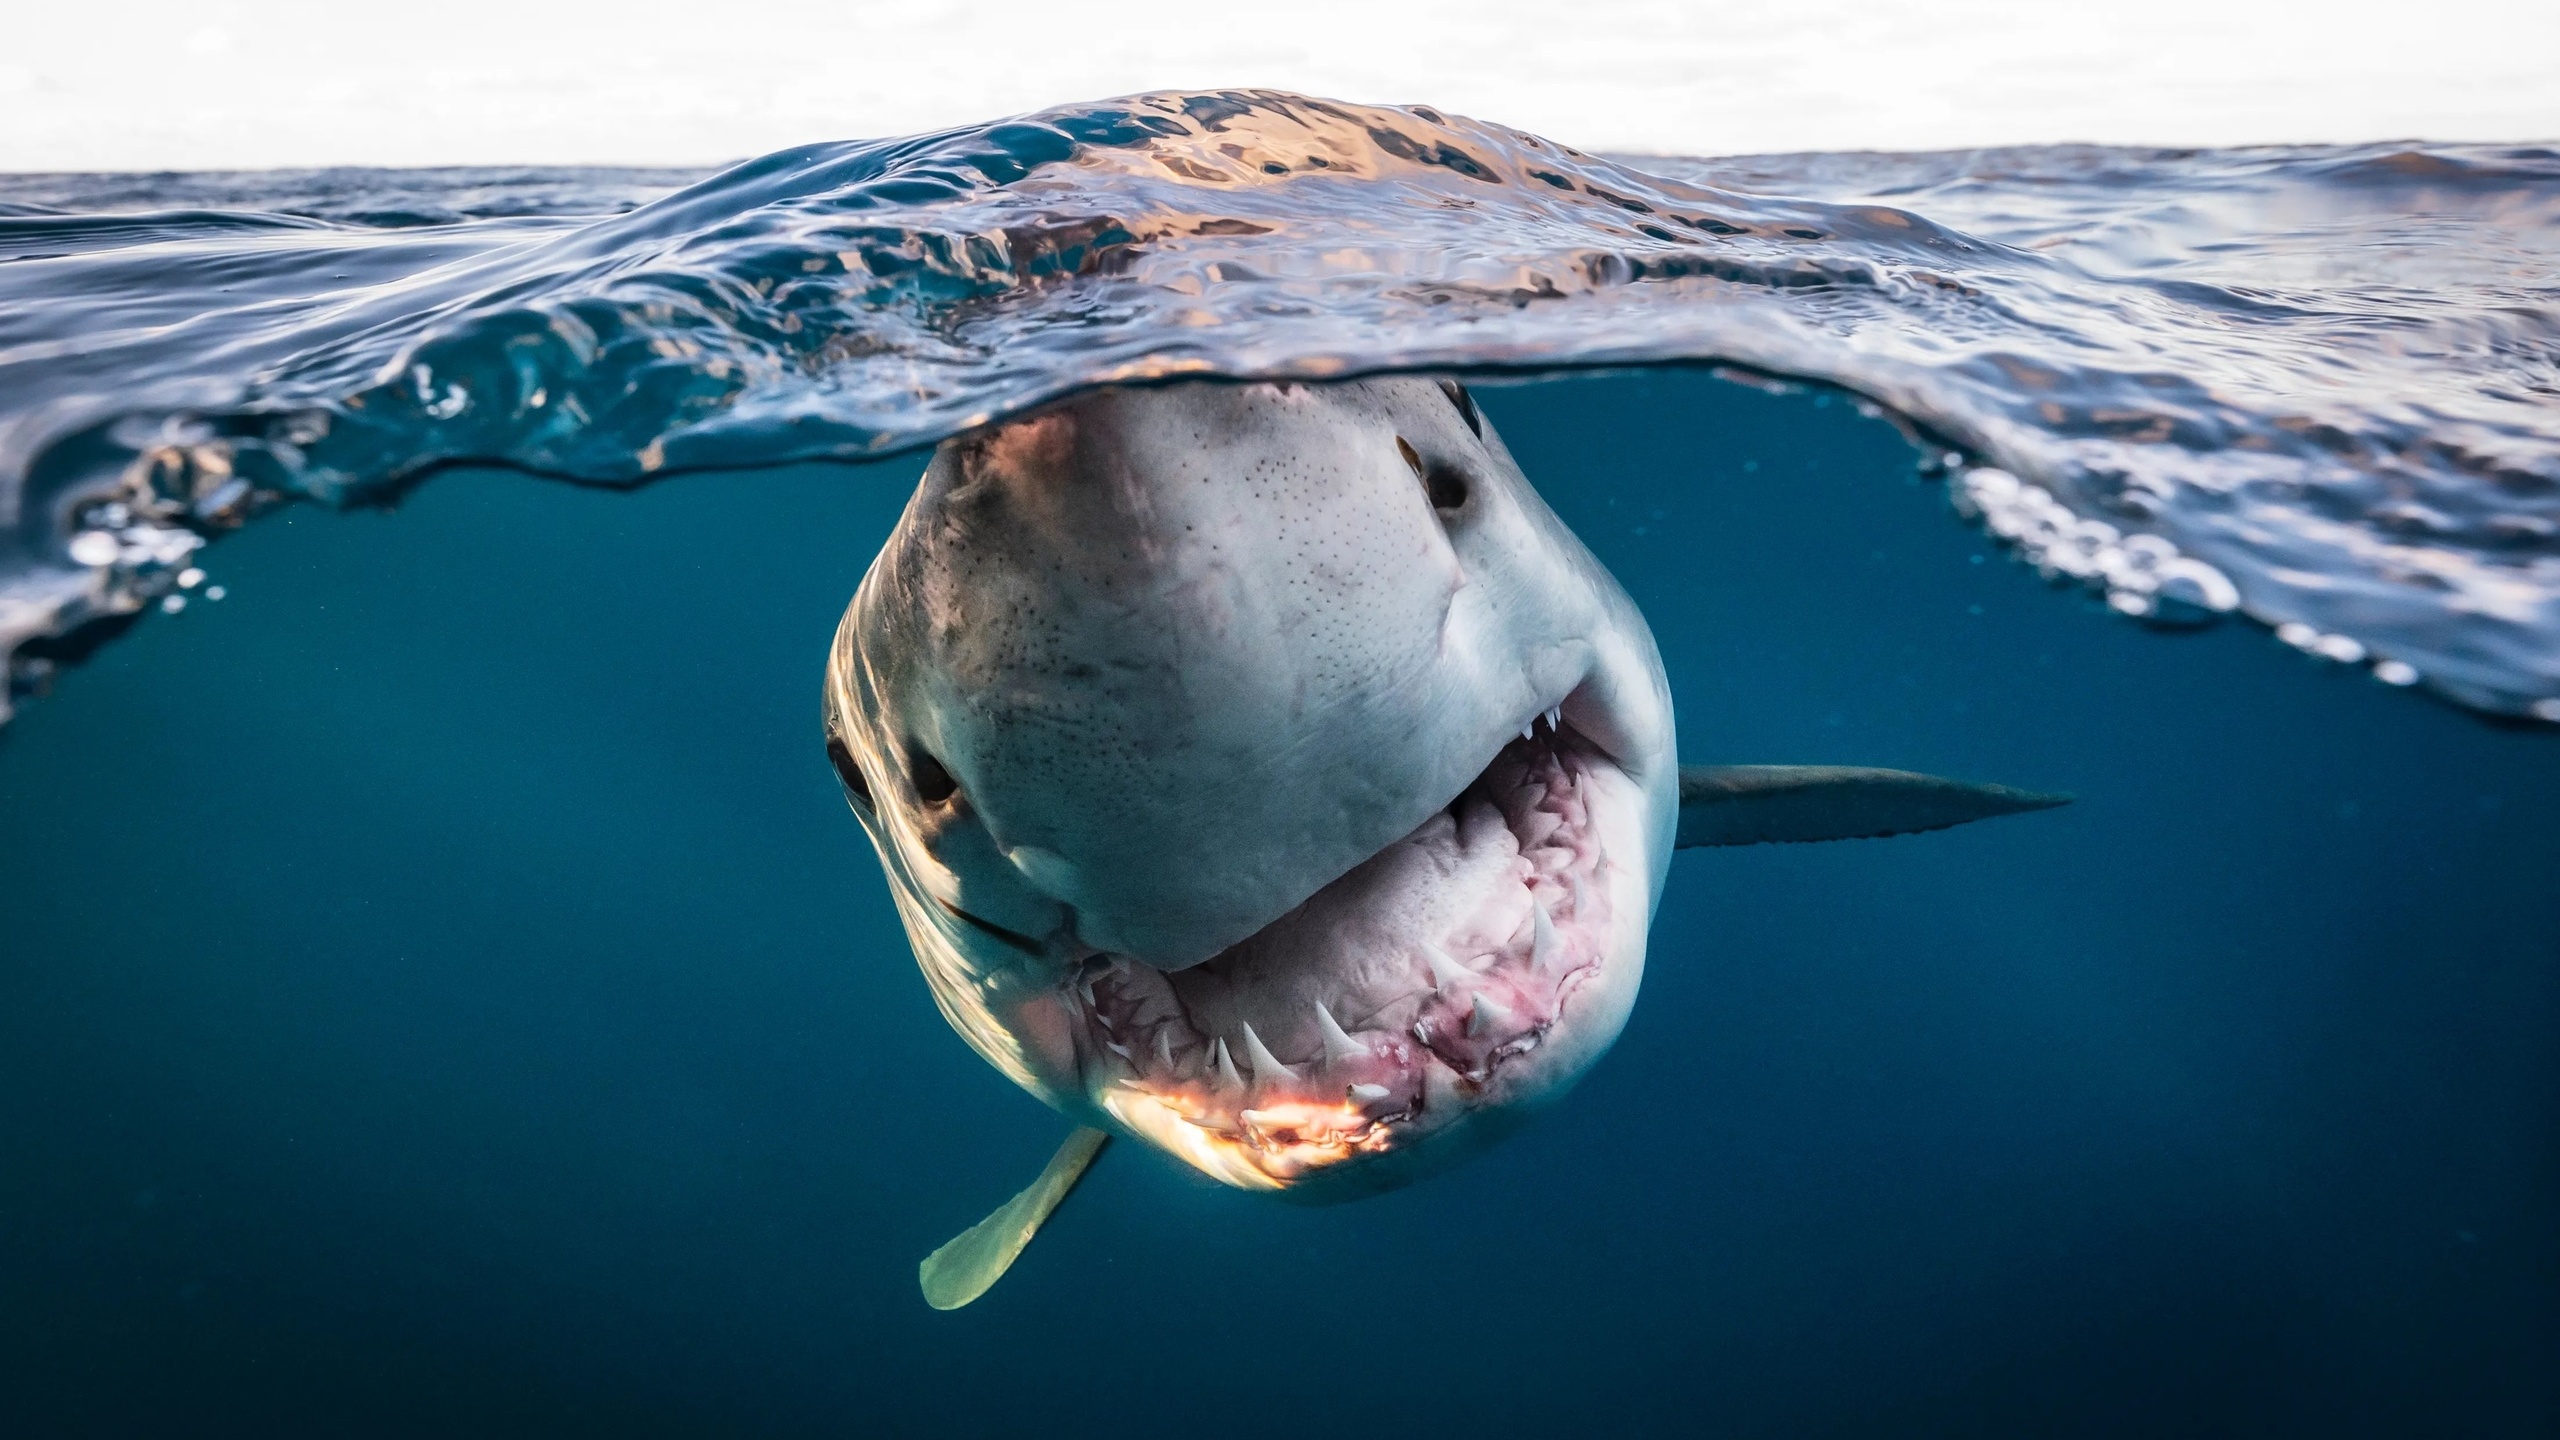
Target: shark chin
{"points": [[1409, 1013]]}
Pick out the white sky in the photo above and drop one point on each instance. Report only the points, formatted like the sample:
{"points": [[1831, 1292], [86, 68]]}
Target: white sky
{"points": [[149, 84]]}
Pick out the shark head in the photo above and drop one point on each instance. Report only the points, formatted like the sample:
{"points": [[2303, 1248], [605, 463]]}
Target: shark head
{"points": [[1262, 771]]}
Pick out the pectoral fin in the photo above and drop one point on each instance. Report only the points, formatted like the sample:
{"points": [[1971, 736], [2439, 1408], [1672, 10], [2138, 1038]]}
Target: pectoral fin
{"points": [[1758, 804], [977, 1257]]}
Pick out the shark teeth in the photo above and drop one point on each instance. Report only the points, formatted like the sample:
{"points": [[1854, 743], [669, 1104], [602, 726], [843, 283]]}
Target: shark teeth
{"points": [[1266, 1066], [1493, 984], [1555, 718], [1338, 1044], [1445, 972], [1546, 948]]}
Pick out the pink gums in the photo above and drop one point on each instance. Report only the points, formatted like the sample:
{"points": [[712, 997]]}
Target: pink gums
{"points": [[1429, 961]]}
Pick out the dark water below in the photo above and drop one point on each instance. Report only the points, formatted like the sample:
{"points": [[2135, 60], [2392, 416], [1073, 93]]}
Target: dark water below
{"points": [[2319, 385], [444, 993]]}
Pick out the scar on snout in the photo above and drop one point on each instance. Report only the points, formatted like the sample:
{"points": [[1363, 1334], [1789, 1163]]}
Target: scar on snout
{"points": [[1039, 443]]}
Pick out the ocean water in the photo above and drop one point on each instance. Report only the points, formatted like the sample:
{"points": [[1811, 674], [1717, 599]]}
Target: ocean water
{"points": [[445, 993], [442, 991], [2320, 385]]}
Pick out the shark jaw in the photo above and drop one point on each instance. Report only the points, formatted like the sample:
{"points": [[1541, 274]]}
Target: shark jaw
{"points": [[1469, 970]]}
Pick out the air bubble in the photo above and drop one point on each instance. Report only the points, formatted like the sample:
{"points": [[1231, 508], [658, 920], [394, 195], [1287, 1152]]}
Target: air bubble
{"points": [[2346, 650], [2193, 582], [2142, 576], [94, 547], [173, 603], [1985, 491], [190, 578], [2395, 672]]}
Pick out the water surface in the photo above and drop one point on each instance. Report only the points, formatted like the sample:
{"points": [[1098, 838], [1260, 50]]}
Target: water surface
{"points": [[2320, 385]]}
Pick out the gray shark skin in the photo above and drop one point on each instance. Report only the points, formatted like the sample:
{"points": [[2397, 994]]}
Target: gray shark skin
{"points": [[1265, 774]]}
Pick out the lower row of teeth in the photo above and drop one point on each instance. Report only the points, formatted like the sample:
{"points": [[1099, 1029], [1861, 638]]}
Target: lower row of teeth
{"points": [[1450, 980]]}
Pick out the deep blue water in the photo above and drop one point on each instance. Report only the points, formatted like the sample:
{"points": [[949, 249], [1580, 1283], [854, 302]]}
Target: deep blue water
{"points": [[445, 993]]}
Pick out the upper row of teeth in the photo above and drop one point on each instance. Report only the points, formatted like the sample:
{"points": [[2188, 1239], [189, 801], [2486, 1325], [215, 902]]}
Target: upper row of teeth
{"points": [[1554, 717]]}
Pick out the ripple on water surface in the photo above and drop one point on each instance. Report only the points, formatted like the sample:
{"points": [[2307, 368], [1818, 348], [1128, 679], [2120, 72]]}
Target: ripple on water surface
{"points": [[2316, 385]]}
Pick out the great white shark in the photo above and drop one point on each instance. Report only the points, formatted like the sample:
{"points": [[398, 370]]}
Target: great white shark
{"points": [[1264, 773]]}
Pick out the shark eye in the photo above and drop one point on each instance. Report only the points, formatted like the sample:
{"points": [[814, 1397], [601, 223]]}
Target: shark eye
{"points": [[1466, 404], [933, 783], [848, 773], [1442, 482]]}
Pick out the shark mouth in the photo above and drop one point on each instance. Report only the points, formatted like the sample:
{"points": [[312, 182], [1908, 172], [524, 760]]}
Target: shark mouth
{"points": [[1388, 1004]]}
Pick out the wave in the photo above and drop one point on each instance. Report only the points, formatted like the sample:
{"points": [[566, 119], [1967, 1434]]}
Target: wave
{"points": [[2318, 385]]}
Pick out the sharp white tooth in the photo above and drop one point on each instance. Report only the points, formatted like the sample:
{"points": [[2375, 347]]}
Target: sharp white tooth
{"points": [[1224, 1065], [1116, 1048], [1338, 1044], [1266, 1066], [1164, 1048], [1555, 717], [1364, 1094], [1546, 948], [1445, 972], [1255, 1117], [1573, 887], [1487, 1014]]}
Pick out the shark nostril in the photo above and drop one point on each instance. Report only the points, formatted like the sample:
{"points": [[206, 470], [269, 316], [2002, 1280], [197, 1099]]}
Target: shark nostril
{"points": [[933, 783]]}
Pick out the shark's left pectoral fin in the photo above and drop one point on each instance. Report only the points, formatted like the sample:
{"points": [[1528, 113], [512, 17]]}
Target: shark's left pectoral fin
{"points": [[1761, 804], [977, 1257]]}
